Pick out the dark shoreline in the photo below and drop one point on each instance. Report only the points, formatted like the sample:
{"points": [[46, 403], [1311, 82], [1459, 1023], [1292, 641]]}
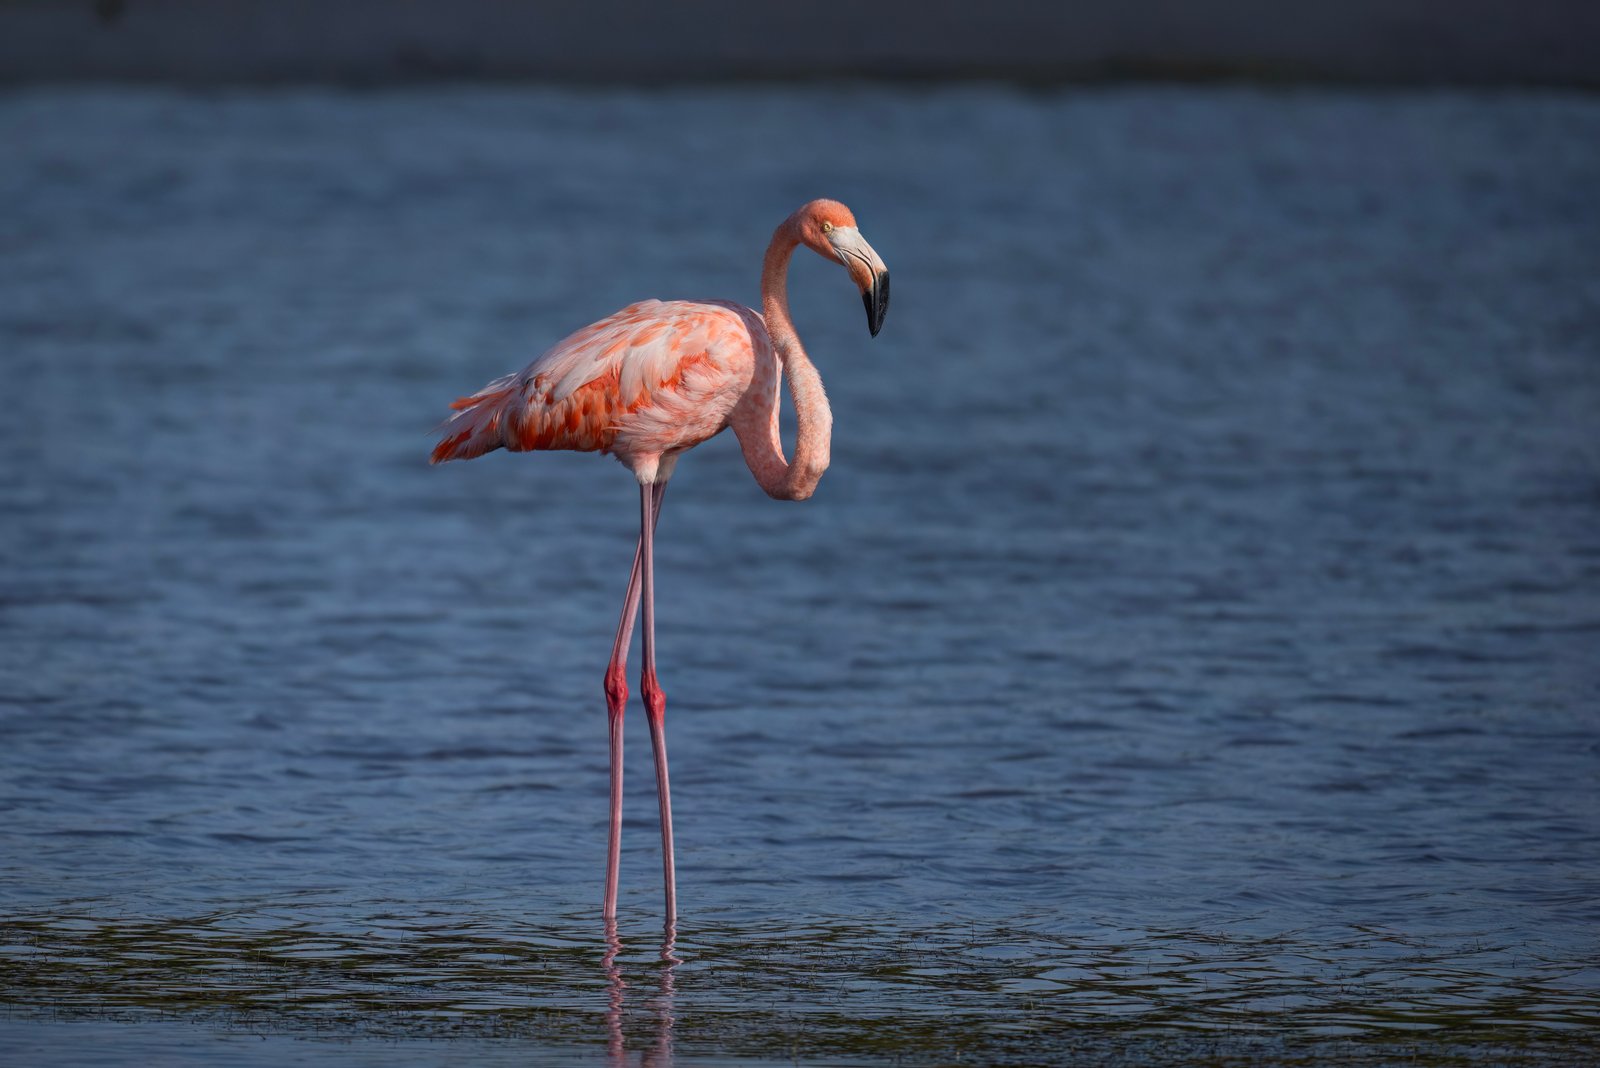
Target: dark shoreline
{"points": [[381, 42]]}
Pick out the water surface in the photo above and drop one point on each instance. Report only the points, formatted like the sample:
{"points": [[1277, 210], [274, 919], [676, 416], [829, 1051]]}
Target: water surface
{"points": [[1190, 655]]}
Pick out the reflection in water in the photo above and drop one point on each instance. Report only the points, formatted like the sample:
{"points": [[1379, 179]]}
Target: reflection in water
{"points": [[669, 966], [660, 1054], [615, 986], [810, 990]]}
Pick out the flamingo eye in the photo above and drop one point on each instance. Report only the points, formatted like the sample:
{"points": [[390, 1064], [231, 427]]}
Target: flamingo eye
{"points": [[827, 227]]}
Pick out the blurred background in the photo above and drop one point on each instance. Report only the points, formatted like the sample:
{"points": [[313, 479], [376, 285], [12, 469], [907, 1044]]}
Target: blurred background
{"points": [[1488, 42], [1189, 657]]}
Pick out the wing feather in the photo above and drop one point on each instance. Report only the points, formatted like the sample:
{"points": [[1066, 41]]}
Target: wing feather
{"points": [[582, 391]]}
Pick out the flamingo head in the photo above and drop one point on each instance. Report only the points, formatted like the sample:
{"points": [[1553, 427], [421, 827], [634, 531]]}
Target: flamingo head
{"points": [[828, 229]]}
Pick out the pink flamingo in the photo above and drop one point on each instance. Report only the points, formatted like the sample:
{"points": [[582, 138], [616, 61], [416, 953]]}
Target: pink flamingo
{"points": [[652, 381]]}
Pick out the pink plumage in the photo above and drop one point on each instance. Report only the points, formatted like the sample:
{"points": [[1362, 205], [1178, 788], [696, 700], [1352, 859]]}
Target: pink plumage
{"points": [[655, 378], [650, 382]]}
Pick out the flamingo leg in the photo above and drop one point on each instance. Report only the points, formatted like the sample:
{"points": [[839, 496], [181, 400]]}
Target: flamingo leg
{"points": [[655, 708], [617, 701], [616, 995]]}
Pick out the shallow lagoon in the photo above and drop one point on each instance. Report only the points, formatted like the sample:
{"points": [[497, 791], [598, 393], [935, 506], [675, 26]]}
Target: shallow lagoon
{"points": [[1190, 656]]}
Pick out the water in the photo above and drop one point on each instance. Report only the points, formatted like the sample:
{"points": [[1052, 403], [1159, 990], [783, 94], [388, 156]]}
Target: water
{"points": [[1190, 655]]}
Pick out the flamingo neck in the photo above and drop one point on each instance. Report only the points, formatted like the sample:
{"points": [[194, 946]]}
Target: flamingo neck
{"points": [[775, 286], [763, 444]]}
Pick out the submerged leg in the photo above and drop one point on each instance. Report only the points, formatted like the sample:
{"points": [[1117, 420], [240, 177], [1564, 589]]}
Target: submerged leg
{"points": [[615, 994], [655, 709], [617, 702]]}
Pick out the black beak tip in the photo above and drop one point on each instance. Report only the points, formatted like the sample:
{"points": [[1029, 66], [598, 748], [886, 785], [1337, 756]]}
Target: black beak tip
{"points": [[876, 300]]}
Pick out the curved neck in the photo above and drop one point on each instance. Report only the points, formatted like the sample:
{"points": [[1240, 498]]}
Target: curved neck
{"points": [[759, 437]]}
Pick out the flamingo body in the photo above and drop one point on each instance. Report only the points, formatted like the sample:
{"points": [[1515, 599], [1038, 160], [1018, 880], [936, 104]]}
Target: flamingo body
{"points": [[651, 381]]}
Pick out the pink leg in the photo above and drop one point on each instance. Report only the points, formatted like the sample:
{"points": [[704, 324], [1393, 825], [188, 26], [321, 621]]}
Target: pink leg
{"points": [[617, 702], [655, 711]]}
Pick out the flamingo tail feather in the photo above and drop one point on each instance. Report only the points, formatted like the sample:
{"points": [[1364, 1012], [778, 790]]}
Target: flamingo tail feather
{"points": [[476, 427]]}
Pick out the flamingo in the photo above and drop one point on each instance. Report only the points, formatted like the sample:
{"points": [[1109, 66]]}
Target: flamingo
{"points": [[650, 382]]}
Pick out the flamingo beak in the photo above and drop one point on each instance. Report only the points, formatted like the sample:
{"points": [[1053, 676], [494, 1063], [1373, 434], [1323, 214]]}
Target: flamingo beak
{"points": [[877, 301], [867, 270]]}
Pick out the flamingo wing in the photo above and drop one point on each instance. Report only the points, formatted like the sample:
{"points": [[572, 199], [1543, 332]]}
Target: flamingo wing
{"points": [[644, 368]]}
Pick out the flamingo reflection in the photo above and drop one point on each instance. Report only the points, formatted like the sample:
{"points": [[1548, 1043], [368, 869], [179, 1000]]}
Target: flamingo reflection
{"points": [[660, 1054]]}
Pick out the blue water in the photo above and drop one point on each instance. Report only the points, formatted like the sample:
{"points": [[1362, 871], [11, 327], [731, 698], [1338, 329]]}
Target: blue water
{"points": [[1191, 652]]}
